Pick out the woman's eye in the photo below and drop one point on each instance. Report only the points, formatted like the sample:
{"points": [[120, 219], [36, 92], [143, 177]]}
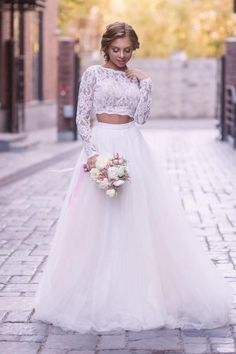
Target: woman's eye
{"points": [[116, 50]]}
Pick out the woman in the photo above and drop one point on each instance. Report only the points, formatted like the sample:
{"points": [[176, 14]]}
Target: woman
{"points": [[128, 262]]}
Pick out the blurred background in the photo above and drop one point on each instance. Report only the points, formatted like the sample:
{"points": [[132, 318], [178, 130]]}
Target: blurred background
{"points": [[188, 47], [45, 46]]}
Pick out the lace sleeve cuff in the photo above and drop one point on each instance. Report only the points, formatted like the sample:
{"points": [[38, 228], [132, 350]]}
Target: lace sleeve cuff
{"points": [[142, 112]]}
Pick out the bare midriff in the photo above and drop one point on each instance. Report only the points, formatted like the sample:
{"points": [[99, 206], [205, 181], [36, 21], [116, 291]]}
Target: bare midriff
{"points": [[113, 118]]}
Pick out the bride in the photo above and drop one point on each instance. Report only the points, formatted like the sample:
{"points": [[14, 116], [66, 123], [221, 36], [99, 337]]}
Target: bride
{"points": [[129, 262]]}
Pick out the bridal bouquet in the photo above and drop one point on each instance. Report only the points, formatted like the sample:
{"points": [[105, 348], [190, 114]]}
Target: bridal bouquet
{"points": [[109, 173]]}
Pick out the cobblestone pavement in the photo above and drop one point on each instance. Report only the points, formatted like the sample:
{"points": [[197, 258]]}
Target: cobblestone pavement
{"points": [[203, 171], [18, 164]]}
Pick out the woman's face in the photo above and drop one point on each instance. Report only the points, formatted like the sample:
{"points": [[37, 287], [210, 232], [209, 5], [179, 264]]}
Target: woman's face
{"points": [[120, 51]]}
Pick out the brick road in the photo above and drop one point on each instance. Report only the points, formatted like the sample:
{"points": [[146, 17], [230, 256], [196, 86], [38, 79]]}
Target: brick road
{"points": [[203, 171]]}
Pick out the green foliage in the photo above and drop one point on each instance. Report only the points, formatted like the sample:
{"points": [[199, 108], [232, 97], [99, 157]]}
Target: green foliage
{"points": [[71, 12], [198, 27]]}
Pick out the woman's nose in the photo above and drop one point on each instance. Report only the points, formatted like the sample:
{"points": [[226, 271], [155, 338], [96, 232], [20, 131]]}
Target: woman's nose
{"points": [[121, 54]]}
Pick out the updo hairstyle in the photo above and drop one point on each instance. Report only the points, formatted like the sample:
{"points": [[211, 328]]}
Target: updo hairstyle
{"points": [[118, 30]]}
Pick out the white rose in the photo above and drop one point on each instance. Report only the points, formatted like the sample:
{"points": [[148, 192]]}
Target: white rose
{"points": [[121, 171], [118, 183], [111, 192], [94, 173], [102, 161], [103, 184], [112, 172]]}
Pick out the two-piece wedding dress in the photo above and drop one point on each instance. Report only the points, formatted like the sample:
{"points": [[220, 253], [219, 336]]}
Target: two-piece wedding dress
{"points": [[129, 262]]}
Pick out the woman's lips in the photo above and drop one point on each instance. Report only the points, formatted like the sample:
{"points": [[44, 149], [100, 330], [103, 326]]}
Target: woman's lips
{"points": [[121, 61]]}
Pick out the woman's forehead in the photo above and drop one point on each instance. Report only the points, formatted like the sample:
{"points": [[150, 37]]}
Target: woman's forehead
{"points": [[122, 42]]}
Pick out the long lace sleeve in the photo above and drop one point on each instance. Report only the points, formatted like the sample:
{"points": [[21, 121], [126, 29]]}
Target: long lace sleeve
{"points": [[142, 111], [84, 108]]}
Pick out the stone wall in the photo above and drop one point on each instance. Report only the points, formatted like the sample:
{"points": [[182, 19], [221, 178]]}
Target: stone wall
{"points": [[182, 88], [40, 115]]}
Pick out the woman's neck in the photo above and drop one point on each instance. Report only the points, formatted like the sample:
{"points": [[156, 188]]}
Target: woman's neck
{"points": [[110, 65]]}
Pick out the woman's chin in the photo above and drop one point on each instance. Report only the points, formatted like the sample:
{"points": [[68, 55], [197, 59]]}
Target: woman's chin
{"points": [[121, 64]]}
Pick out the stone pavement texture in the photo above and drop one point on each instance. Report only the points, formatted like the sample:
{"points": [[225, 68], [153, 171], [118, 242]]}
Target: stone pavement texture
{"points": [[203, 171], [15, 165]]}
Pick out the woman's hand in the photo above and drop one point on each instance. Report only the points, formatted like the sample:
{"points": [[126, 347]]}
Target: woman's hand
{"points": [[91, 162], [138, 74]]}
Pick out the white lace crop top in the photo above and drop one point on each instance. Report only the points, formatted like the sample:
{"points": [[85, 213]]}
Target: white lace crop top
{"points": [[105, 90]]}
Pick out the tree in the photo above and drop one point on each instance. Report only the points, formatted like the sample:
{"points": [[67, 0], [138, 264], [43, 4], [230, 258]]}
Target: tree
{"points": [[72, 12], [198, 27]]}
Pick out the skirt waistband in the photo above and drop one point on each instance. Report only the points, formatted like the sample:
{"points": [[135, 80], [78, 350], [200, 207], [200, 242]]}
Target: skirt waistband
{"points": [[114, 126]]}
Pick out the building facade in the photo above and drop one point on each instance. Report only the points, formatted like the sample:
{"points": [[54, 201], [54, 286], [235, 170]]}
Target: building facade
{"points": [[33, 34]]}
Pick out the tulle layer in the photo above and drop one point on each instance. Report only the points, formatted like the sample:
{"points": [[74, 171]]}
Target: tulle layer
{"points": [[130, 262]]}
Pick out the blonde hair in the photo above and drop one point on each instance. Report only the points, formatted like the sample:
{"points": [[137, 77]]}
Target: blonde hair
{"points": [[118, 30]]}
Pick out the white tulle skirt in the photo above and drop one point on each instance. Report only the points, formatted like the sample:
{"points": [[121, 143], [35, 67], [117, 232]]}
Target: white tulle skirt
{"points": [[130, 262]]}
